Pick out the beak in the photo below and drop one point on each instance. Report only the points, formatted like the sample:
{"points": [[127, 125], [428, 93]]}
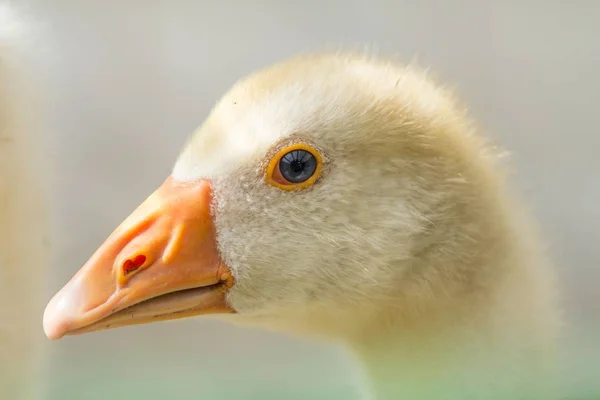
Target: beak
{"points": [[161, 263]]}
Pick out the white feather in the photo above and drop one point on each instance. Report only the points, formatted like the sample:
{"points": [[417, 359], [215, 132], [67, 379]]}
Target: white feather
{"points": [[410, 249]]}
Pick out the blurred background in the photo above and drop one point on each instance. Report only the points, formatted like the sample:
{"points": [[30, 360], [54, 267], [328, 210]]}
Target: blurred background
{"points": [[127, 81]]}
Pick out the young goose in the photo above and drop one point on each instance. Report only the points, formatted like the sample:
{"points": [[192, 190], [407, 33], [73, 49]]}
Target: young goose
{"points": [[22, 218], [348, 198]]}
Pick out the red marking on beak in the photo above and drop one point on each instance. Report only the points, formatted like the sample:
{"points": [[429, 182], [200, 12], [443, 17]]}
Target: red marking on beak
{"points": [[130, 266]]}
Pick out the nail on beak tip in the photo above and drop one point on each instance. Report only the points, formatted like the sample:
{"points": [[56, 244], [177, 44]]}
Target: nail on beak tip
{"points": [[53, 329], [62, 309]]}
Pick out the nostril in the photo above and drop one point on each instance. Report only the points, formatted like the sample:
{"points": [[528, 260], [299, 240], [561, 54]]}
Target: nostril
{"points": [[133, 264]]}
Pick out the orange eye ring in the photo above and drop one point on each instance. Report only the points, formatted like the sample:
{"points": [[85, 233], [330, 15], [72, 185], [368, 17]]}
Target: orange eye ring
{"points": [[274, 176]]}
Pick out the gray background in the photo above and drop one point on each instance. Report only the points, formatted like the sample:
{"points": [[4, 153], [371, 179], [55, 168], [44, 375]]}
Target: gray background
{"points": [[127, 81]]}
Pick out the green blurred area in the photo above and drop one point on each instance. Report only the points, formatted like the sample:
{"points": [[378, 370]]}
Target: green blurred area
{"points": [[141, 388], [97, 381], [101, 367]]}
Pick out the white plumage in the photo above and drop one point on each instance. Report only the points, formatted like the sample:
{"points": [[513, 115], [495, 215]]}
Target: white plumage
{"points": [[23, 254]]}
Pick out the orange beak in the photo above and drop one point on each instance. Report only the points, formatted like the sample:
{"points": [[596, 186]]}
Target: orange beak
{"points": [[160, 264]]}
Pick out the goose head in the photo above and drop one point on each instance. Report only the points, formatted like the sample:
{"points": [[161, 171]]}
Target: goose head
{"points": [[320, 194]]}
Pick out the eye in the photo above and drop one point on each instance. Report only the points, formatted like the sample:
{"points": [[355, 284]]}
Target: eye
{"points": [[297, 166], [294, 167]]}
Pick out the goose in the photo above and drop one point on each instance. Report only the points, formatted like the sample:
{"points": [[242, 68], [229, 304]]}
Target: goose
{"points": [[347, 198], [23, 224]]}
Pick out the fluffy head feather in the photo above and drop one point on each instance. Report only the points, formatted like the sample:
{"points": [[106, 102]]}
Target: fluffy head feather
{"points": [[409, 238], [408, 188]]}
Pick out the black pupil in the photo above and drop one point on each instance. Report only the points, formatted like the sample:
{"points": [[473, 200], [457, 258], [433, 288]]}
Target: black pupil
{"points": [[298, 166]]}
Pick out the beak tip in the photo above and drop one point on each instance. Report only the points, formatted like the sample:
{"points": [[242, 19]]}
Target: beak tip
{"points": [[53, 334], [63, 310], [52, 329], [55, 319]]}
